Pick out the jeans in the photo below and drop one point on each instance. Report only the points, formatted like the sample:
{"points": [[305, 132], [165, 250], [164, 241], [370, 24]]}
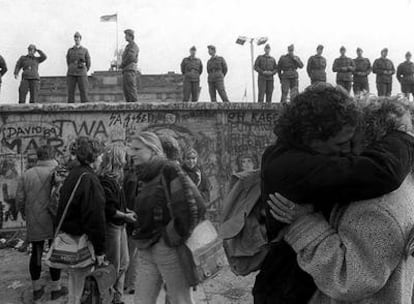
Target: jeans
{"points": [[117, 254], [82, 82], [129, 85], [191, 88], [131, 273], [26, 85], [35, 264], [217, 86], [76, 283], [156, 265], [289, 84], [265, 88]]}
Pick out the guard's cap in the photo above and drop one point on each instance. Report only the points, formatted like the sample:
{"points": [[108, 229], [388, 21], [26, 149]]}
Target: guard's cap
{"points": [[267, 46], [77, 34], [320, 46], [193, 48], [359, 49], [211, 47], [31, 47], [291, 47], [342, 48], [129, 32], [384, 50]]}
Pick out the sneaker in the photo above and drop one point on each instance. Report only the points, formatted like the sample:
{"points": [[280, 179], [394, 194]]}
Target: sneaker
{"points": [[56, 294], [38, 294]]}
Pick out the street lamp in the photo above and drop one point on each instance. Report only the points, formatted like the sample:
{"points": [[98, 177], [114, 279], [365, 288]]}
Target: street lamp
{"points": [[259, 41]]}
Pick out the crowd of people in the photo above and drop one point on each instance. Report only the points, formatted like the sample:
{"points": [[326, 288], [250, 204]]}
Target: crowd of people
{"points": [[350, 73], [138, 239], [336, 200]]}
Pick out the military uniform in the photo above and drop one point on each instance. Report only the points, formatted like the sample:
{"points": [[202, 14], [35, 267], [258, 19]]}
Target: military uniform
{"points": [[344, 67], [191, 68], [316, 69], [129, 71], [361, 72], [265, 63], [3, 68], [30, 77], [79, 63], [384, 68], [217, 69], [405, 75], [288, 75]]}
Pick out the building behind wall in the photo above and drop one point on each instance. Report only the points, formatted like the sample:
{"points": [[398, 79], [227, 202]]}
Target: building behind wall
{"points": [[106, 86]]}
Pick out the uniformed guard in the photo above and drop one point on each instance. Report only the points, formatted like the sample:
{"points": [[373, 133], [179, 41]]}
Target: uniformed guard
{"points": [[129, 67], [265, 65], [217, 70], [30, 77], [344, 67], [384, 69], [316, 66], [79, 63], [191, 68], [362, 70], [405, 75], [3, 68], [288, 75]]}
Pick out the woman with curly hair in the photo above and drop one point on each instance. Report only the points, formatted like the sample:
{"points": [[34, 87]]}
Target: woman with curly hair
{"points": [[314, 161], [363, 253], [163, 224], [86, 213], [111, 175]]}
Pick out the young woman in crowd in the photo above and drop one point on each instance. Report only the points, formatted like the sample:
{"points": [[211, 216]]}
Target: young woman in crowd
{"points": [[193, 170], [111, 175], [86, 213], [162, 224], [363, 253]]}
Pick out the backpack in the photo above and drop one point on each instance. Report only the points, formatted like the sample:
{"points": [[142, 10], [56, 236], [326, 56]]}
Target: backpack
{"points": [[242, 225], [58, 176]]}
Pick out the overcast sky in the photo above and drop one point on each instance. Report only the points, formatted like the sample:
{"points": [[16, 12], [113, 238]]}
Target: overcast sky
{"points": [[166, 29]]}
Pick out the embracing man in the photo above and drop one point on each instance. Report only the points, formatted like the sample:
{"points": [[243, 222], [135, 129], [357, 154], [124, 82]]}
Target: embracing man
{"points": [[319, 160]]}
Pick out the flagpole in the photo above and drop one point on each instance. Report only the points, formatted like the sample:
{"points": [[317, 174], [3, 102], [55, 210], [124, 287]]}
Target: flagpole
{"points": [[117, 50]]}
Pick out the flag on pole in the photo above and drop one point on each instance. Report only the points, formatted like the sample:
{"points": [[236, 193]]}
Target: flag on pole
{"points": [[109, 18]]}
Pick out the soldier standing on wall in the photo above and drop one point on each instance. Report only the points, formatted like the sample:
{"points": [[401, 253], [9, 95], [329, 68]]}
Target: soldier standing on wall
{"points": [[362, 70], [191, 68], [30, 76], [265, 65], [316, 66], [384, 68], [405, 75], [288, 75], [3, 68], [129, 67], [216, 69], [344, 67], [79, 63]]}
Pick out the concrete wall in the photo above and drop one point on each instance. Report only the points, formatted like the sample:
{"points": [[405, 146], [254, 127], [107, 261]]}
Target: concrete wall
{"points": [[225, 135], [106, 86]]}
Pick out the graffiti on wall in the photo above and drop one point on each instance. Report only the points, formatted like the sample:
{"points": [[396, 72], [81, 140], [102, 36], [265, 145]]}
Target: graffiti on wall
{"points": [[226, 142]]}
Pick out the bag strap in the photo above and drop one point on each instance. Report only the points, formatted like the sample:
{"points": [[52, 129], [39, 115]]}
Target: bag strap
{"points": [[68, 204]]}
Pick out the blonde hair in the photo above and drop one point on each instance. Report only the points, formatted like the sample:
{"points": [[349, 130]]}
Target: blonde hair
{"points": [[114, 161], [151, 141]]}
